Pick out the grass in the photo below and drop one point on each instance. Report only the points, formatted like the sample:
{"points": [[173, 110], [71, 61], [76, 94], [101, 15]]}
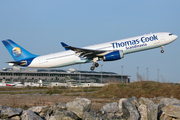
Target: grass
{"points": [[27, 88], [46, 90], [148, 89]]}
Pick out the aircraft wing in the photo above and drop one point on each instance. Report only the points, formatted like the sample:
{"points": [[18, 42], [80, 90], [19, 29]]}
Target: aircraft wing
{"points": [[88, 53]]}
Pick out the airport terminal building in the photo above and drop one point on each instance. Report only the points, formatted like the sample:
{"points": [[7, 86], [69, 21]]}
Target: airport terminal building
{"points": [[58, 75]]}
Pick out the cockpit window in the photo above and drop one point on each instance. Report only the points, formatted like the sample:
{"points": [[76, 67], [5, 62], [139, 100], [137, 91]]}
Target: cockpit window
{"points": [[170, 34]]}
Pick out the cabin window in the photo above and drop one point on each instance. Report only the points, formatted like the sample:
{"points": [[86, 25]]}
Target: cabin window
{"points": [[170, 34]]}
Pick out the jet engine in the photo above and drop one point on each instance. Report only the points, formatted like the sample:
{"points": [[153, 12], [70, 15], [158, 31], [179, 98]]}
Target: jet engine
{"points": [[115, 55]]}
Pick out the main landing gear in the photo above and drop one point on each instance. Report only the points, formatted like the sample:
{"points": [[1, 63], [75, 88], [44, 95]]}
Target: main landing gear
{"points": [[162, 51], [95, 64]]}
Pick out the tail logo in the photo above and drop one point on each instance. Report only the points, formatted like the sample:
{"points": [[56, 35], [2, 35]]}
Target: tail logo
{"points": [[16, 51]]}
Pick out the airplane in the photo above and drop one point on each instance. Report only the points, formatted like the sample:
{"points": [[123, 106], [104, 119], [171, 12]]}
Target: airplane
{"points": [[109, 51], [17, 84], [10, 84], [2, 84]]}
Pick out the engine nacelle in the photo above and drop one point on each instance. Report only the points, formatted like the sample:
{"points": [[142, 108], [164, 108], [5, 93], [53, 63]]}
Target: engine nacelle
{"points": [[116, 55]]}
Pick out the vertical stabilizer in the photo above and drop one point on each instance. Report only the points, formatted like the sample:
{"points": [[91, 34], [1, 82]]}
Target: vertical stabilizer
{"points": [[17, 52]]}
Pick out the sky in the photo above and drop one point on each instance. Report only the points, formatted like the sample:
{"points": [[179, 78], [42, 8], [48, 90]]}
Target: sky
{"points": [[40, 25]]}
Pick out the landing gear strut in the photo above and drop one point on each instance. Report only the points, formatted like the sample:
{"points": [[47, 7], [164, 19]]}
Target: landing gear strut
{"points": [[162, 51], [95, 64]]}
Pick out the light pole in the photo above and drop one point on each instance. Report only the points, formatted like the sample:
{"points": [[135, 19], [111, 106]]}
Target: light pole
{"points": [[79, 73], [49, 77], [137, 73], [101, 72], [158, 74], [147, 73], [122, 73]]}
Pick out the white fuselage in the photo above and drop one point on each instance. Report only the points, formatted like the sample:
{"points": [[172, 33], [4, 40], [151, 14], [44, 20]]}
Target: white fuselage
{"points": [[128, 45]]}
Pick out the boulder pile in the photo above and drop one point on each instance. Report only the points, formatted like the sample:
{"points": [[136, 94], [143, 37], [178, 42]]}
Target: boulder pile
{"points": [[80, 109]]}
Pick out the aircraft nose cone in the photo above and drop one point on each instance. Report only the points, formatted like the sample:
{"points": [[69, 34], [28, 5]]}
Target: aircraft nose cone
{"points": [[176, 37]]}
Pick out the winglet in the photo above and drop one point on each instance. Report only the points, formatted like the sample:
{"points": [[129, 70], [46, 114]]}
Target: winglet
{"points": [[64, 45]]}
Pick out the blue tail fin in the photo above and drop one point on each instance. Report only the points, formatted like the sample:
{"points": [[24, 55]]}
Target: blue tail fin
{"points": [[17, 52]]}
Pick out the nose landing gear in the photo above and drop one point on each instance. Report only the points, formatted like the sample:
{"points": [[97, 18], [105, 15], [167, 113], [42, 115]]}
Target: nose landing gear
{"points": [[162, 51]]}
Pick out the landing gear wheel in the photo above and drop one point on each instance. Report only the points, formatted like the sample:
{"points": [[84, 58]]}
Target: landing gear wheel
{"points": [[96, 64], [162, 51], [92, 68]]}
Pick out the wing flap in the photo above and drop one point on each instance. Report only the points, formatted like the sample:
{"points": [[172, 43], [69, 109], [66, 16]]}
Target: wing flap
{"points": [[89, 53]]}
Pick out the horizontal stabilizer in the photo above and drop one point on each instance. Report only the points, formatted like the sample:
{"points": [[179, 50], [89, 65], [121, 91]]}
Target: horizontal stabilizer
{"points": [[18, 63]]}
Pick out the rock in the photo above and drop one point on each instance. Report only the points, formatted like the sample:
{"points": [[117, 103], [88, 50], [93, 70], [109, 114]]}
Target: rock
{"points": [[152, 111], [143, 112], [79, 106], [50, 111], [154, 98], [167, 109], [165, 117], [3, 107], [59, 106], [164, 101], [173, 101], [47, 117], [112, 116], [120, 103], [134, 101], [1, 115], [118, 114], [145, 101], [45, 112], [51, 118], [65, 115], [172, 110], [176, 119], [110, 107], [88, 116], [15, 118], [9, 112], [129, 111], [42, 111], [160, 109], [38, 109], [109, 116], [98, 114], [30, 115]]}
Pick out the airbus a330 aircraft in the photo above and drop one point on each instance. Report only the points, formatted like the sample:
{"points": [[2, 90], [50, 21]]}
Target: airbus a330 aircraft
{"points": [[109, 51]]}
